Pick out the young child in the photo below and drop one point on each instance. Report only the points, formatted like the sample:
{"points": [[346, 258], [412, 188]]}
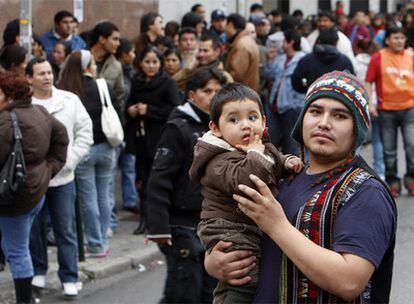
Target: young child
{"points": [[224, 158]]}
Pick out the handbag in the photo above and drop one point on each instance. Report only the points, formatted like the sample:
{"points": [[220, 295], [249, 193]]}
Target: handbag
{"points": [[111, 125], [13, 172]]}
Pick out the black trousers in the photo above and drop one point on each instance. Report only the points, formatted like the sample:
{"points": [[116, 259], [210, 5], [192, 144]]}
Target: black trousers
{"points": [[187, 281]]}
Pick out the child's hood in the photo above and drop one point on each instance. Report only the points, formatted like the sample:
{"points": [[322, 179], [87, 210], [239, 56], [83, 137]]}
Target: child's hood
{"points": [[207, 147]]}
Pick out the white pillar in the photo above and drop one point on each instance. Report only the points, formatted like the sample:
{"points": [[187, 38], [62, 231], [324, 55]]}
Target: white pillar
{"points": [[26, 25]]}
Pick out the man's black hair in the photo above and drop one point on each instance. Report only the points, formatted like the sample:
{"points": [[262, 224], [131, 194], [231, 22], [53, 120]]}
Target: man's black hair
{"points": [[297, 13], [104, 29], [29, 66], [201, 76], [190, 20], [327, 14], [214, 40], [125, 46], [164, 41], [195, 7], [232, 92], [293, 35], [328, 36], [187, 30], [289, 23], [275, 12], [393, 29], [62, 14], [238, 21], [11, 32], [255, 6]]}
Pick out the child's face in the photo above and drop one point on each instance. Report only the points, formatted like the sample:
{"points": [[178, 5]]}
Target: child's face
{"points": [[237, 120]]}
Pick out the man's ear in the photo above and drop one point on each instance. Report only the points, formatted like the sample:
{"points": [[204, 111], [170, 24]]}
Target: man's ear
{"points": [[214, 129], [190, 95]]}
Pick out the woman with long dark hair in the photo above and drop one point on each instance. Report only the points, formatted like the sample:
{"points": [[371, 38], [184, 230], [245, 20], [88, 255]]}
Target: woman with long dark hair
{"points": [[44, 143], [150, 30], [153, 96], [94, 173]]}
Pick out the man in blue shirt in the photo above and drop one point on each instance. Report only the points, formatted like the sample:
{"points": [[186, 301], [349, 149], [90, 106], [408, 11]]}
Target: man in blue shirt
{"points": [[63, 30]]}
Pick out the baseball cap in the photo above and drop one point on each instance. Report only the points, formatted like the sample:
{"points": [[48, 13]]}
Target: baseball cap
{"points": [[217, 14]]}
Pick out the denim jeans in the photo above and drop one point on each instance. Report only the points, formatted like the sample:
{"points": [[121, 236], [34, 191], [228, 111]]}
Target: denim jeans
{"points": [[187, 281], [126, 162], [377, 148], [391, 121], [15, 242], [60, 203], [93, 176], [280, 128]]}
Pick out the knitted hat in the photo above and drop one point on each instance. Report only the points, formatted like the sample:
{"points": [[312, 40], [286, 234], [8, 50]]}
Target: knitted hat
{"points": [[342, 87]]}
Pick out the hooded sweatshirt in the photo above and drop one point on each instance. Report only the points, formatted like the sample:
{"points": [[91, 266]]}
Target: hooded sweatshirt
{"points": [[220, 168], [324, 58]]}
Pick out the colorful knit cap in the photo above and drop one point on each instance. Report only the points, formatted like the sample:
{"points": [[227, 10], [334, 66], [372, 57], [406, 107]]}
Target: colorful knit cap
{"points": [[343, 87]]}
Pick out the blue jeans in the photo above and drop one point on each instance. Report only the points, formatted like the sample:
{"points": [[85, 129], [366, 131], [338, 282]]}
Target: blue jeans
{"points": [[187, 281], [126, 163], [377, 148], [280, 128], [15, 242], [93, 176], [60, 203], [391, 121]]}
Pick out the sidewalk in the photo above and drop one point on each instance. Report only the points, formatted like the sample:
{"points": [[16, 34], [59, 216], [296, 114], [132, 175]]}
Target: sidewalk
{"points": [[127, 251]]}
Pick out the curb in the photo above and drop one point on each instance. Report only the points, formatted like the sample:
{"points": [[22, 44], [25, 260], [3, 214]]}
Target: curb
{"points": [[88, 273]]}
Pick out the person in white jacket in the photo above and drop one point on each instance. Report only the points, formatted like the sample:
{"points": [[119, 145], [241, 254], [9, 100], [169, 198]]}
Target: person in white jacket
{"points": [[326, 20], [60, 197]]}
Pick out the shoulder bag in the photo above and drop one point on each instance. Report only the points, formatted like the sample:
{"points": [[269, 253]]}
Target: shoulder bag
{"points": [[13, 172], [111, 125]]}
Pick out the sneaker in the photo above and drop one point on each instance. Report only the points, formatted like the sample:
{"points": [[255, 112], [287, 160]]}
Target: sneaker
{"points": [[109, 233], [70, 289], [395, 190], [39, 281], [2, 266], [409, 184], [95, 252]]}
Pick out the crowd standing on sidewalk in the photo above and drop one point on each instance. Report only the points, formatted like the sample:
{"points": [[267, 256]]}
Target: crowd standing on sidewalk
{"points": [[159, 85]]}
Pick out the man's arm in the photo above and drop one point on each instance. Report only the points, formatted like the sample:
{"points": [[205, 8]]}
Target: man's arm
{"points": [[343, 274]]}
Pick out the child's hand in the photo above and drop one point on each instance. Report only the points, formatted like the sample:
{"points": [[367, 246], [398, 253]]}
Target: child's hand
{"points": [[294, 164], [254, 142]]}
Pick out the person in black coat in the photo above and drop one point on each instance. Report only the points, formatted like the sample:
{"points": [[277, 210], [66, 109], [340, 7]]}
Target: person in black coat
{"points": [[174, 202], [154, 94], [324, 58]]}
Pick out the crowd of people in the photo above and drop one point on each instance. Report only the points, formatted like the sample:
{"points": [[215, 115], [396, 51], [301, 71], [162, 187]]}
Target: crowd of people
{"points": [[160, 84]]}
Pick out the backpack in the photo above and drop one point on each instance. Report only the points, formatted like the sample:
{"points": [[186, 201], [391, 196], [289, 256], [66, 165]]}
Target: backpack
{"points": [[13, 172]]}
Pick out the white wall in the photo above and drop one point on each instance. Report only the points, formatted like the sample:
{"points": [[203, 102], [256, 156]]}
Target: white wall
{"points": [[310, 8], [175, 9]]}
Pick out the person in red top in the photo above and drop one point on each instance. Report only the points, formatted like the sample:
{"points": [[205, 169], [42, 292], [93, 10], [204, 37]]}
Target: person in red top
{"points": [[392, 71]]}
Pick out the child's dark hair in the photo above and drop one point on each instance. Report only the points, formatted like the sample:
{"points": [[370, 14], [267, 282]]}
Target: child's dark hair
{"points": [[232, 92], [199, 78]]}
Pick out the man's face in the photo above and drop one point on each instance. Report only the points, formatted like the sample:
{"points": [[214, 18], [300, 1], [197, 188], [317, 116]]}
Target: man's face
{"points": [[324, 23], [188, 42], [206, 53], [251, 29], [42, 79], [230, 29], [286, 46], [263, 28], [157, 27], [65, 27], [111, 43], [396, 42], [201, 97], [201, 11], [328, 130], [219, 25]]}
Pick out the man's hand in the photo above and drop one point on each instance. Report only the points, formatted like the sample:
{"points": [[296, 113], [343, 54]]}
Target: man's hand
{"points": [[133, 110], [373, 110], [231, 267], [254, 143], [294, 164], [261, 206], [160, 241], [142, 108]]}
